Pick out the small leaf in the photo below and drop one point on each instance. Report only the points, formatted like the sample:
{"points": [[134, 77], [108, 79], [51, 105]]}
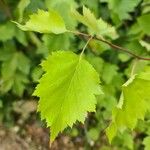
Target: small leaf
{"points": [[63, 7], [67, 90], [7, 31], [122, 8], [44, 22], [98, 27], [144, 23], [146, 143], [145, 44], [133, 105], [21, 7], [55, 42], [24, 63], [9, 66], [20, 80], [109, 71], [93, 134]]}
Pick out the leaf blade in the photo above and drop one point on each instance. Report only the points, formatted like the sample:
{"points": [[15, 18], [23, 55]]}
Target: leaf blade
{"points": [[134, 104], [69, 95], [44, 22], [96, 26]]}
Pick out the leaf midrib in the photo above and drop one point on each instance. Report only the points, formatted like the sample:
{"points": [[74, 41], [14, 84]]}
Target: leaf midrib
{"points": [[78, 62]]}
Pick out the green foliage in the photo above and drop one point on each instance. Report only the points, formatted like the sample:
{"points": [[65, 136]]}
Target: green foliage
{"points": [[121, 8], [146, 143], [21, 52], [98, 27], [44, 22], [67, 90], [14, 70], [21, 7], [63, 7], [133, 104], [109, 71], [144, 23], [7, 31], [145, 44]]}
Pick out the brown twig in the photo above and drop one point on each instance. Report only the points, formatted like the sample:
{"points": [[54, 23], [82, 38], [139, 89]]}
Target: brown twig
{"points": [[116, 47]]}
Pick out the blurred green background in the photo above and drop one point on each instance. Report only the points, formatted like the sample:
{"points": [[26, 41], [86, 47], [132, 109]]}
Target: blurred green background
{"points": [[22, 52]]}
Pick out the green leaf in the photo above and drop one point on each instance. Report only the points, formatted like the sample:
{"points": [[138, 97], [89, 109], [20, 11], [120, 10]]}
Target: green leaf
{"points": [[96, 62], [14, 72], [98, 27], [94, 6], [63, 7], [123, 57], [24, 63], [122, 8], [21, 37], [44, 22], [145, 44], [6, 85], [126, 140], [7, 31], [134, 103], [67, 90], [20, 81], [21, 7], [146, 143], [93, 134], [135, 46], [9, 66], [144, 23], [55, 42], [36, 74], [98, 47], [109, 71], [135, 29], [146, 8]]}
